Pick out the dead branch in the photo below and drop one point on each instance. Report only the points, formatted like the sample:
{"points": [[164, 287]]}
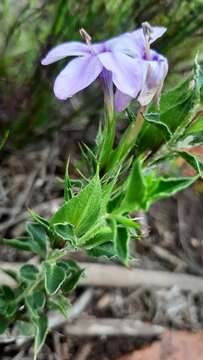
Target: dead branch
{"points": [[113, 327]]}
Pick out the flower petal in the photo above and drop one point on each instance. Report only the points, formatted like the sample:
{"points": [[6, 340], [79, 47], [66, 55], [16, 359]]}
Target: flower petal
{"points": [[157, 32], [124, 43], [72, 48], [126, 71], [76, 76], [121, 101], [156, 73], [139, 40]]}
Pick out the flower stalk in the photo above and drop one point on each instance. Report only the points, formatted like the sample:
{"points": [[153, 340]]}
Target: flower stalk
{"points": [[128, 140]]}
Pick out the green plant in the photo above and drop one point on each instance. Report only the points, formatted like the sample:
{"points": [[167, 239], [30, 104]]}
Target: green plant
{"points": [[96, 215]]}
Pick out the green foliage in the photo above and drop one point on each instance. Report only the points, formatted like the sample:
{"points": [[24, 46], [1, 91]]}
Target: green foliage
{"points": [[83, 209], [35, 302], [54, 277], [41, 326], [61, 303], [29, 272], [38, 242], [122, 239], [135, 189]]}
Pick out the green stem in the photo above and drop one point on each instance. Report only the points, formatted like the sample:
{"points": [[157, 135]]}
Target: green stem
{"points": [[108, 138], [128, 140]]}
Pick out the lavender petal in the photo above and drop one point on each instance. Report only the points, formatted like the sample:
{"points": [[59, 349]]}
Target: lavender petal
{"points": [[76, 76], [72, 48], [126, 71]]}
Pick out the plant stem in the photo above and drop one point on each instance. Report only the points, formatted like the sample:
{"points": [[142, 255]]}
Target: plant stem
{"points": [[133, 130], [128, 140], [108, 139]]}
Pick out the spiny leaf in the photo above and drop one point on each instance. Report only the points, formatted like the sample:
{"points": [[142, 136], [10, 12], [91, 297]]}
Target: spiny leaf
{"points": [[82, 210], [127, 222], [65, 231], [167, 187], [154, 119], [61, 303], [39, 219], [122, 244], [4, 139], [106, 250], [25, 328], [29, 272], [41, 325], [54, 277], [68, 193], [22, 243], [35, 301], [102, 236], [39, 239], [72, 281], [193, 161], [135, 189]]}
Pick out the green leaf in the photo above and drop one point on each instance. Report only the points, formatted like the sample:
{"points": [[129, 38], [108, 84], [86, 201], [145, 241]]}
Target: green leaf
{"points": [[41, 325], [54, 277], [127, 222], [8, 304], [35, 301], [3, 325], [29, 272], [89, 155], [167, 187], [8, 293], [61, 303], [193, 135], [154, 119], [69, 264], [68, 193], [39, 239], [193, 161], [102, 236], [106, 250], [199, 78], [176, 96], [107, 139], [25, 328], [82, 210], [2, 305], [72, 278], [4, 139], [107, 190], [65, 231], [195, 127], [11, 309], [177, 109], [21, 243], [135, 190], [39, 219], [13, 274], [122, 244]]}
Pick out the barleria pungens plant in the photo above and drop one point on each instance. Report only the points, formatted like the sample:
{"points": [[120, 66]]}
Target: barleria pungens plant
{"points": [[124, 176]]}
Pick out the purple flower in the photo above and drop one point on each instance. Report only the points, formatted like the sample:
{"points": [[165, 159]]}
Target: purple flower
{"points": [[105, 60], [153, 66]]}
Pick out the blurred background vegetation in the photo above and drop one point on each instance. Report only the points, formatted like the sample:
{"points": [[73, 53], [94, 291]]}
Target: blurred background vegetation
{"points": [[29, 28]]}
